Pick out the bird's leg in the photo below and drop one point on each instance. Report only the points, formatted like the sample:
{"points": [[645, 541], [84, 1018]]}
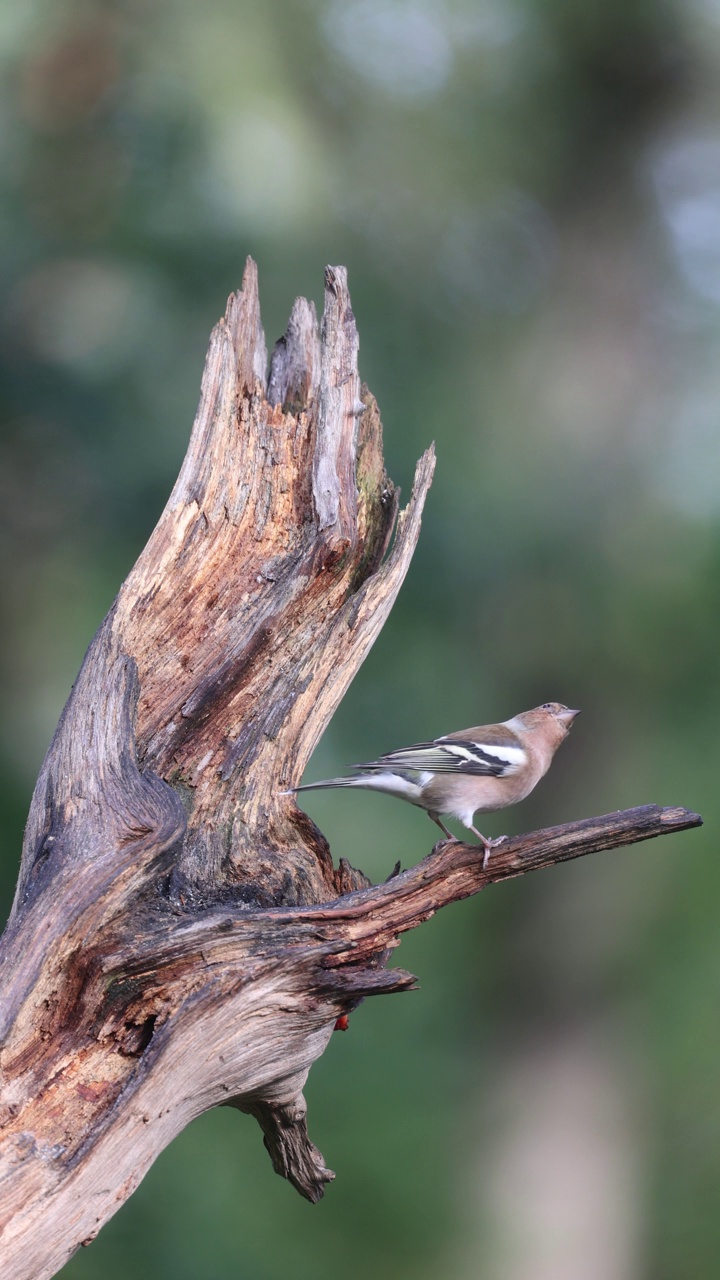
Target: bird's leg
{"points": [[435, 817], [487, 844]]}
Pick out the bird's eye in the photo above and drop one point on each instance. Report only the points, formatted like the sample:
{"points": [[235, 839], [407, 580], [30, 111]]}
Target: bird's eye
{"points": [[548, 706]]}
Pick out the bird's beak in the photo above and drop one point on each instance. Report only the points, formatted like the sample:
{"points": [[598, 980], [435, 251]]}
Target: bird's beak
{"points": [[567, 716]]}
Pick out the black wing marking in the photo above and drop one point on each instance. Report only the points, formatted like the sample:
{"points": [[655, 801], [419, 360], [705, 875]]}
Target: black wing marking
{"points": [[458, 756]]}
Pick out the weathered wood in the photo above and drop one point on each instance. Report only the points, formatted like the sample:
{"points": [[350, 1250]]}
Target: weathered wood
{"points": [[180, 936]]}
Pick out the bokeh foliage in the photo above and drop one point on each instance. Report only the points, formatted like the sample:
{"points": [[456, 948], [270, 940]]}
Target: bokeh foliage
{"points": [[527, 196]]}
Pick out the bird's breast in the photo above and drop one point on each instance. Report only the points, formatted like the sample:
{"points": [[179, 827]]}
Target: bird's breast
{"points": [[460, 794]]}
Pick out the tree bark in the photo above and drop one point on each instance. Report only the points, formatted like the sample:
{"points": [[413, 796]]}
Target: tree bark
{"points": [[180, 936]]}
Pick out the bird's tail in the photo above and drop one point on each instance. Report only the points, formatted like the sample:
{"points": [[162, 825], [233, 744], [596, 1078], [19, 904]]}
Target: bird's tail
{"points": [[358, 781], [394, 784]]}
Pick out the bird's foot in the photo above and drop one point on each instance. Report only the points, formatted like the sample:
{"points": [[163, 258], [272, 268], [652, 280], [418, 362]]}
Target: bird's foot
{"points": [[440, 844], [488, 845]]}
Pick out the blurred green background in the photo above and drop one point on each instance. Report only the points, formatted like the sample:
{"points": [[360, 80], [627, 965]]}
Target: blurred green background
{"points": [[527, 196]]}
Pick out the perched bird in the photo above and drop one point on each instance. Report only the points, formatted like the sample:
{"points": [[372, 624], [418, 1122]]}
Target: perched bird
{"points": [[475, 770]]}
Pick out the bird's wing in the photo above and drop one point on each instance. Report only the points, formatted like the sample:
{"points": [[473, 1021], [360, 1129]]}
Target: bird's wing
{"points": [[455, 755]]}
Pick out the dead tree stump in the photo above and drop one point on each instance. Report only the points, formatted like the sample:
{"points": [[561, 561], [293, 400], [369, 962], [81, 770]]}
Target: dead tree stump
{"points": [[180, 936]]}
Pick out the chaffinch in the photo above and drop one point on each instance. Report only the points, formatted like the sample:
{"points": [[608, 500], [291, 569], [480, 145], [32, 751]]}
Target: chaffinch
{"points": [[475, 770]]}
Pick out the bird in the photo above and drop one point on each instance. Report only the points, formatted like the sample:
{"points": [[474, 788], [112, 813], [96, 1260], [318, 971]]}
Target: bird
{"points": [[474, 770]]}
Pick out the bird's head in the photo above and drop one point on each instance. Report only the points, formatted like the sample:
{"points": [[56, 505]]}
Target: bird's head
{"points": [[552, 718]]}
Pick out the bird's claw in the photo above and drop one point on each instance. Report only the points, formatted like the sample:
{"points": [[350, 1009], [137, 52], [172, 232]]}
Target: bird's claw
{"points": [[446, 840], [491, 844]]}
